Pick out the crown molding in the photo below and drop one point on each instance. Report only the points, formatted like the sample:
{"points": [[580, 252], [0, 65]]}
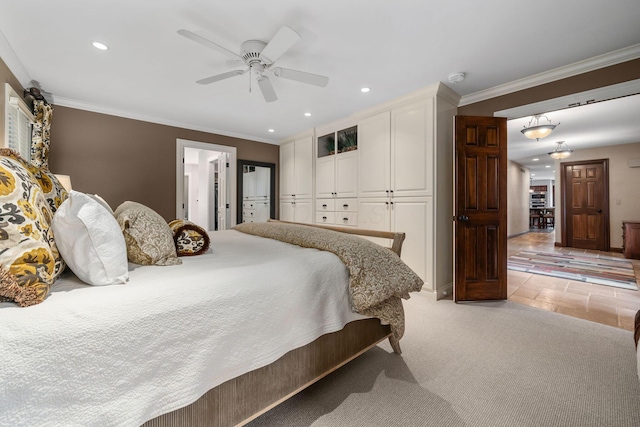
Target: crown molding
{"points": [[8, 55], [580, 67], [79, 105]]}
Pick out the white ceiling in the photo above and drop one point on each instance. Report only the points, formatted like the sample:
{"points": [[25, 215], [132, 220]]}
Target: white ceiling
{"points": [[611, 122], [394, 47]]}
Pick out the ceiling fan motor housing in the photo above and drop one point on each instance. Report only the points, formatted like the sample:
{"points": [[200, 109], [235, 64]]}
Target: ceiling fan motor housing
{"points": [[251, 50]]}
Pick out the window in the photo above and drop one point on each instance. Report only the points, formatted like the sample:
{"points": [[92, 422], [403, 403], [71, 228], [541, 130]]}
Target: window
{"points": [[18, 123]]}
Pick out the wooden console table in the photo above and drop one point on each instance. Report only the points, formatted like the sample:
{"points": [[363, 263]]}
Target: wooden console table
{"points": [[631, 239]]}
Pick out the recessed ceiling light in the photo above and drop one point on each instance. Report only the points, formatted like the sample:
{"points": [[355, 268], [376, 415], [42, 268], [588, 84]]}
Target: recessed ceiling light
{"points": [[307, 114], [535, 160], [548, 166], [533, 174], [272, 130], [100, 46], [365, 89]]}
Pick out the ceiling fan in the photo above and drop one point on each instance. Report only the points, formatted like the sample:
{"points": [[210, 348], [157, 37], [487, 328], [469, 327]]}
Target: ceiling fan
{"points": [[260, 58]]}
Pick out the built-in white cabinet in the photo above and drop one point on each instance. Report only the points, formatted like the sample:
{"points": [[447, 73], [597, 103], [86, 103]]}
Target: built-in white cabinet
{"points": [[296, 180], [396, 152], [296, 168], [337, 176], [410, 215], [256, 182], [399, 178], [405, 167], [296, 211]]}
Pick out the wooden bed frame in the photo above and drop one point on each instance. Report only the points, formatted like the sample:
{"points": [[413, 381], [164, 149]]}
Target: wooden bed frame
{"points": [[244, 398]]}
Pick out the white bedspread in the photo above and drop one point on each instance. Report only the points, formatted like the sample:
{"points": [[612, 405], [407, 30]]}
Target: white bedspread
{"points": [[120, 355]]}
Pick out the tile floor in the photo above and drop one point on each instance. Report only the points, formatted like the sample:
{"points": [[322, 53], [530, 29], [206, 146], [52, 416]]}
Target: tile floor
{"points": [[598, 303]]}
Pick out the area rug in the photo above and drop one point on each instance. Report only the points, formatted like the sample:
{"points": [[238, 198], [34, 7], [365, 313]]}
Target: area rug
{"points": [[600, 270]]}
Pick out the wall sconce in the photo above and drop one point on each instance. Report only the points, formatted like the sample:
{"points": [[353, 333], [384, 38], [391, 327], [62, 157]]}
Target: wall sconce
{"points": [[535, 130], [562, 151]]}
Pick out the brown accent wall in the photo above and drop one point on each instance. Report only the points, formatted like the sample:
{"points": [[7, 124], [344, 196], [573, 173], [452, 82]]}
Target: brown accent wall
{"points": [[614, 74], [124, 159], [6, 76]]}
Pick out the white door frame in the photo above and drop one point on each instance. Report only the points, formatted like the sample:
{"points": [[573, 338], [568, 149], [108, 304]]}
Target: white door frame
{"points": [[181, 144]]}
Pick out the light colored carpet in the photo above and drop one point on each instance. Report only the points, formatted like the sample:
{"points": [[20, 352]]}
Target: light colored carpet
{"points": [[479, 364]]}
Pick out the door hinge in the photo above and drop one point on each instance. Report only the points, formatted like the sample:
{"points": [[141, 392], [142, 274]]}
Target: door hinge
{"points": [[227, 205], [227, 164], [183, 160]]}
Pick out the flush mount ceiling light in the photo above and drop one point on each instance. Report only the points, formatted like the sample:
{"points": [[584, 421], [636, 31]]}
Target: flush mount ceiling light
{"points": [[365, 89], [307, 114], [535, 130], [562, 151]]}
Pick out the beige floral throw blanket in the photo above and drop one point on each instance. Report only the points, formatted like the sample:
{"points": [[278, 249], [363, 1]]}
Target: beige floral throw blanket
{"points": [[378, 278]]}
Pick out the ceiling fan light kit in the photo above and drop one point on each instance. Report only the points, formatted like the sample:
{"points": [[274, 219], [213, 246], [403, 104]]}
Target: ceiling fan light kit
{"points": [[535, 130], [562, 151], [260, 57]]}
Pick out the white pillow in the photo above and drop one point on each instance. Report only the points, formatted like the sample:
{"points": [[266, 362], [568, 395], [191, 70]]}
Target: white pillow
{"points": [[102, 201], [90, 240]]}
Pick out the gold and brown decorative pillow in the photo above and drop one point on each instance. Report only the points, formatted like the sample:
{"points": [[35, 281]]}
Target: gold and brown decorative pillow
{"points": [[147, 235], [29, 258], [189, 238], [53, 190]]}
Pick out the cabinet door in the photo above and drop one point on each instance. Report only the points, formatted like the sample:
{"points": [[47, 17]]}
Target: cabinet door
{"points": [[375, 214], [302, 211], [412, 134], [287, 170], [346, 166], [262, 211], [414, 218], [286, 211], [263, 182], [303, 167], [325, 177], [374, 149]]}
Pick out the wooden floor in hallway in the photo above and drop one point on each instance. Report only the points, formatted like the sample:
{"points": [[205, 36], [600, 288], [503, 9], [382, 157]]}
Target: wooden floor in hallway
{"points": [[598, 303]]}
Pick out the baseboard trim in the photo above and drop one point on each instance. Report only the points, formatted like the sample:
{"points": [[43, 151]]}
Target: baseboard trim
{"points": [[619, 250], [558, 244]]}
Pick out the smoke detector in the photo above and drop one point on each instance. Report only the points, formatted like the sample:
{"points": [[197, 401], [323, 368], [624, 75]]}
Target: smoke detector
{"points": [[456, 78]]}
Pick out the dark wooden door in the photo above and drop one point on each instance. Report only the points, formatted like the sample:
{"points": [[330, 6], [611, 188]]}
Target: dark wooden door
{"points": [[585, 201], [480, 208]]}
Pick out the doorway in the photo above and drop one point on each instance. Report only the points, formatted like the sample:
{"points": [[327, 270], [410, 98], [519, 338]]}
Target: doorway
{"points": [[206, 184]]}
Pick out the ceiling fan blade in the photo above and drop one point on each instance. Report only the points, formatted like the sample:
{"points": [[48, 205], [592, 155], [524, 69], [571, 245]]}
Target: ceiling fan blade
{"points": [[199, 39], [301, 76], [267, 89], [284, 39], [219, 77]]}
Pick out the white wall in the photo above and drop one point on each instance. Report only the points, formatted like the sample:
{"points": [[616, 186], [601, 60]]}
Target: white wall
{"points": [[624, 186], [517, 199]]}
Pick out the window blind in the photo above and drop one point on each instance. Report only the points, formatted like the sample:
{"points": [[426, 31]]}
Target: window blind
{"points": [[19, 127]]}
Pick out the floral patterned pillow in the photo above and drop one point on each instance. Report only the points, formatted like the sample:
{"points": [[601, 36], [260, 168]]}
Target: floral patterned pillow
{"points": [[147, 235], [29, 259], [189, 238]]}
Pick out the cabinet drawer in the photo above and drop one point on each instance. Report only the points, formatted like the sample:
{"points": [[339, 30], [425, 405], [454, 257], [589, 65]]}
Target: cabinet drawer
{"points": [[249, 204], [325, 217], [346, 205], [346, 218], [325, 205]]}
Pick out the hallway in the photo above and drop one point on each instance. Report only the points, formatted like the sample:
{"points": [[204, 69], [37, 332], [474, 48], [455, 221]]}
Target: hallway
{"points": [[598, 303]]}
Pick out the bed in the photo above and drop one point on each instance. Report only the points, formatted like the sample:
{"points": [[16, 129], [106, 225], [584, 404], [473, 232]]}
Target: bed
{"points": [[215, 341]]}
